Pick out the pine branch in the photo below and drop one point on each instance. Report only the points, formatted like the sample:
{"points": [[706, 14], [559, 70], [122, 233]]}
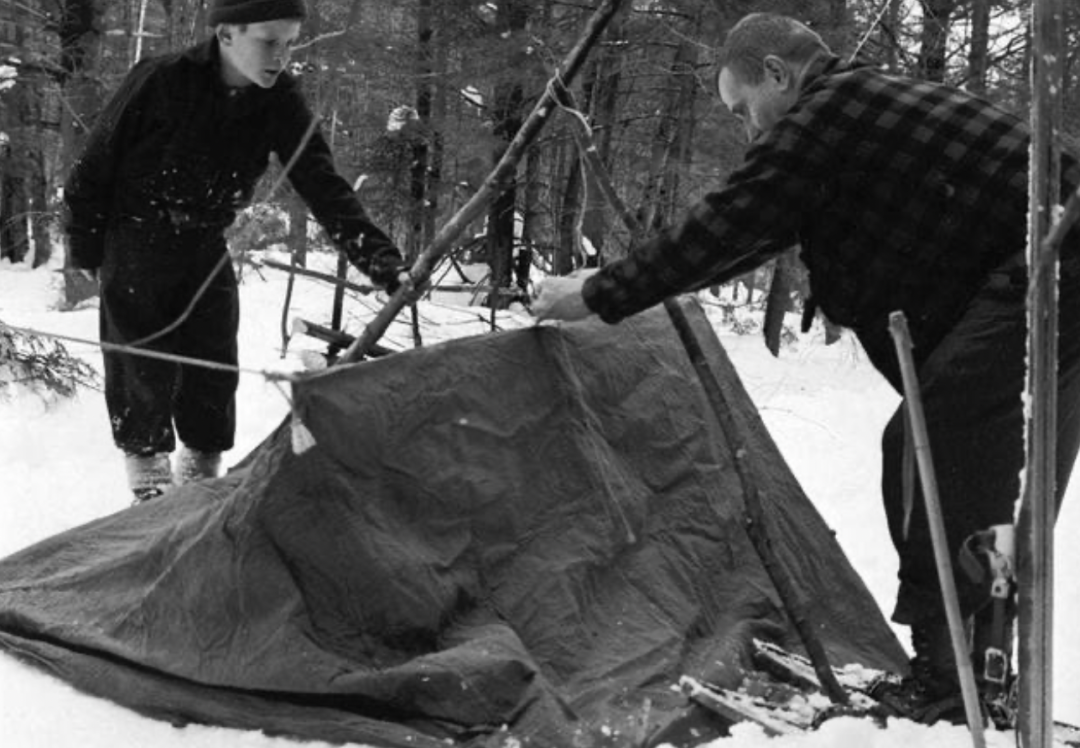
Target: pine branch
{"points": [[41, 365]]}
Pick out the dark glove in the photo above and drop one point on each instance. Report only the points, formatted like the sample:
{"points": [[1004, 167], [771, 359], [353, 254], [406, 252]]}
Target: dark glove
{"points": [[383, 266]]}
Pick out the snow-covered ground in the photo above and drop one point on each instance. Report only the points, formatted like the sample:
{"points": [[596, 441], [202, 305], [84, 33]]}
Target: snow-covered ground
{"points": [[824, 405]]}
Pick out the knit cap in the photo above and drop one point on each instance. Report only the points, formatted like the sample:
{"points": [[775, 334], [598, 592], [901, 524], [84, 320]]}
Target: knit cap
{"points": [[254, 11]]}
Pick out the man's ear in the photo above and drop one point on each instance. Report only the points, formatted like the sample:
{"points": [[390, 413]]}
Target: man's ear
{"points": [[778, 71], [224, 34]]}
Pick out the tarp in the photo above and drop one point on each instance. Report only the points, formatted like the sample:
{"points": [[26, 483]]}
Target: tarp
{"points": [[531, 533]]}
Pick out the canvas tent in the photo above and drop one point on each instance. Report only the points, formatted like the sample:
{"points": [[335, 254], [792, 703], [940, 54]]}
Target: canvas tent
{"points": [[526, 534]]}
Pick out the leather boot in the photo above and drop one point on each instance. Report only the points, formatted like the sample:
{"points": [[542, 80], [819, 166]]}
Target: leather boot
{"points": [[932, 691]]}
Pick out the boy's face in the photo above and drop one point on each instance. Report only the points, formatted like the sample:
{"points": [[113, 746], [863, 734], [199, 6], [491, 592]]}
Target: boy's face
{"points": [[256, 52]]}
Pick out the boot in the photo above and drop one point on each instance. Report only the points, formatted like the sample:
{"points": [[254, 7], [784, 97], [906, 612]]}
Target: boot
{"points": [[149, 475], [194, 464], [932, 691]]}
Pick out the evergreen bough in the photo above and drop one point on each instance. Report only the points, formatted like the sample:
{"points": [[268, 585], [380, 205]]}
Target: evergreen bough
{"points": [[40, 365]]}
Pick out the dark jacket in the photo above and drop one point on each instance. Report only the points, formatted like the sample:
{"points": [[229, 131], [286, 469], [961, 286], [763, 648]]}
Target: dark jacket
{"points": [[903, 195], [176, 154]]}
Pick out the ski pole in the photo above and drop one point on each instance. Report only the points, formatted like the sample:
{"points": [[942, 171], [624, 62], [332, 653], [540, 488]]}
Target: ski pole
{"points": [[913, 402]]}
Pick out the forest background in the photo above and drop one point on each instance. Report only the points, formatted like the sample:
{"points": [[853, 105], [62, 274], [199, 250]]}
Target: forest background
{"points": [[419, 99]]}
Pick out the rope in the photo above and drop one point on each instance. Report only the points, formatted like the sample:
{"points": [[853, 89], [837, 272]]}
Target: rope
{"points": [[272, 376]]}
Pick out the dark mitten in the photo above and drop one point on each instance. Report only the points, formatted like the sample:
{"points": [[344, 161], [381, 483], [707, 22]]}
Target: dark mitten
{"points": [[382, 266], [385, 267]]}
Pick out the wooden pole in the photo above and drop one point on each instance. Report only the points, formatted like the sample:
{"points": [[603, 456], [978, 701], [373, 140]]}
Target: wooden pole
{"points": [[494, 184], [913, 403], [756, 523], [1038, 506]]}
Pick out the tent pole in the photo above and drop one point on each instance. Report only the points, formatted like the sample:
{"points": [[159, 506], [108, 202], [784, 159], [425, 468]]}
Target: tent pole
{"points": [[493, 185], [755, 522], [756, 527]]}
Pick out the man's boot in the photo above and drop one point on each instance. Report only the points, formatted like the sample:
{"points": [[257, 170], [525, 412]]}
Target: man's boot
{"points": [[932, 691], [194, 465], [149, 476]]}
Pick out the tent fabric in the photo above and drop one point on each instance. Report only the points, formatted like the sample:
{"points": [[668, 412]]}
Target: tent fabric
{"points": [[529, 533]]}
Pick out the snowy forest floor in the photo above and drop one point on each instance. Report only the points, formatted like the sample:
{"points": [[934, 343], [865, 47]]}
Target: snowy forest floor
{"points": [[824, 405]]}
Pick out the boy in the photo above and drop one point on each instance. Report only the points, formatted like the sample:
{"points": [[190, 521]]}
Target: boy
{"points": [[176, 153]]}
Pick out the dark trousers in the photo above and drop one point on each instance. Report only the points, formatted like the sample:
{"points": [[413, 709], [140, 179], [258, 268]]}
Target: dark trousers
{"points": [[971, 387], [142, 293]]}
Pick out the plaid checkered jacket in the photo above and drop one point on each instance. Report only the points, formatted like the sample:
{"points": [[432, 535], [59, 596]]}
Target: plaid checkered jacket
{"points": [[902, 194]]}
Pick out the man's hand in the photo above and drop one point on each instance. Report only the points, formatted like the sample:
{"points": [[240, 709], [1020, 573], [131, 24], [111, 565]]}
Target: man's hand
{"points": [[560, 298]]}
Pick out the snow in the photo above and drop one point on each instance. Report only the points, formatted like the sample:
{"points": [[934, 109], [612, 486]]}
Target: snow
{"points": [[825, 406]]}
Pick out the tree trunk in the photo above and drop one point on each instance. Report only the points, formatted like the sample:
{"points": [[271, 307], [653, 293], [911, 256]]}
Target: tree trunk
{"points": [[187, 21], [980, 43], [529, 221], [1038, 509], [592, 227], [420, 145], [435, 124], [500, 238], [14, 237], [81, 38], [298, 228], [672, 133], [892, 16], [508, 99], [937, 18], [681, 154], [23, 207], [569, 215], [601, 90]]}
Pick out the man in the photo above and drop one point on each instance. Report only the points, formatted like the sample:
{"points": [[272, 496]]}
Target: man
{"points": [[176, 153], [903, 195]]}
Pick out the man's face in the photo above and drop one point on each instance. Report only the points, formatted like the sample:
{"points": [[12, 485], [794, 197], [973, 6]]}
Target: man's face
{"points": [[759, 106], [258, 52]]}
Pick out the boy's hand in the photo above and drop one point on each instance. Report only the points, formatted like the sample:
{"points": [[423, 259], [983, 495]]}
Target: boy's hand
{"points": [[388, 270], [392, 273]]}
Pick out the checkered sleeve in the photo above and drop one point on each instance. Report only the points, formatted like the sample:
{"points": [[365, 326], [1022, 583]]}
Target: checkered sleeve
{"points": [[729, 232]]}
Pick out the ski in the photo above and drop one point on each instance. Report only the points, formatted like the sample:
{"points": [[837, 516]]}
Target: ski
{"points": [[1038, 504], [783, 696]]}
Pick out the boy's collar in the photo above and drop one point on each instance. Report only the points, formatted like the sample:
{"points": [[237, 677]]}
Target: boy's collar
{"points": [[207, 54]]}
